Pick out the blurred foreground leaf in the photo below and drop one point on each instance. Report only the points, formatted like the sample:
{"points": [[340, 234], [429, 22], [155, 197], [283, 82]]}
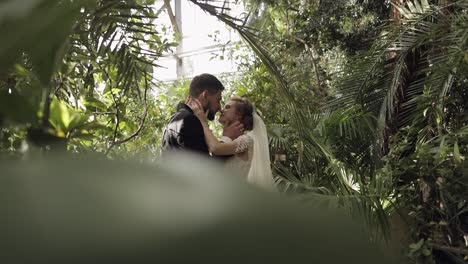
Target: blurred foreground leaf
{"points": [[81, 209]]}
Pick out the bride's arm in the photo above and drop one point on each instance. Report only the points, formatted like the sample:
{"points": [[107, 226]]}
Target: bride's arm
{"points": [[217, 147]]}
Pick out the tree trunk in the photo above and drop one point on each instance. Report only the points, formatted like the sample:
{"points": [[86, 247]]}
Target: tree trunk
{"points": [[394, 13]]}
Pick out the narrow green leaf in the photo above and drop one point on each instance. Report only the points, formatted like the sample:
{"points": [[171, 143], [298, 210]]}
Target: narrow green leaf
{"points": [[418, 7], [412, 7], [425, 4], [456, 153]]}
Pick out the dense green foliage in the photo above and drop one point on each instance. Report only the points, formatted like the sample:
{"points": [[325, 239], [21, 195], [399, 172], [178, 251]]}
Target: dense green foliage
{"points": [[366, 99], [88, 84], [372, 115]]}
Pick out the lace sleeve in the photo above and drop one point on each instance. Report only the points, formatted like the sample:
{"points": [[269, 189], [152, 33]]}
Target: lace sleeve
{"points": [[244, 142]]}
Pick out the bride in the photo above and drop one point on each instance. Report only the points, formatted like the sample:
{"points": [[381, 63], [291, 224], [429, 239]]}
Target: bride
{"points": [[251, 157]]}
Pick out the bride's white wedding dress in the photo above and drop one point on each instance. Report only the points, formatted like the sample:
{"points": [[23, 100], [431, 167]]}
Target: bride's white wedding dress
{"points": [[252, 158], [241, 161]]}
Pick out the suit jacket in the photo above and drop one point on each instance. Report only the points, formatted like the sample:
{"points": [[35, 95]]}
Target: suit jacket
{"points": [[184, 131]]}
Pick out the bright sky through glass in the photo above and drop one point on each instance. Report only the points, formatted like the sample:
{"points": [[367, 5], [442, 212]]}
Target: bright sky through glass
{"points": [[198, 49]]}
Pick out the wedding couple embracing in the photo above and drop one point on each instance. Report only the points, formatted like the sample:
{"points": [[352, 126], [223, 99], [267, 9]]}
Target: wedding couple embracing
{"points": [[244, 145]]}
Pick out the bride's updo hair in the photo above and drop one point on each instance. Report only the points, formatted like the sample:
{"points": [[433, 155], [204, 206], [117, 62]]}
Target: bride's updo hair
{"points": [[245, 109]]}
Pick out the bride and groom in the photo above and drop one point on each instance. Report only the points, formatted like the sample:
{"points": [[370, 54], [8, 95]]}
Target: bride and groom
{"points": [[244, 145]]}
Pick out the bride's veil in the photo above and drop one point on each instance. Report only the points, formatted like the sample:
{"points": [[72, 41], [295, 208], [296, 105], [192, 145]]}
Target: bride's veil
{"points": [[260, 171]]}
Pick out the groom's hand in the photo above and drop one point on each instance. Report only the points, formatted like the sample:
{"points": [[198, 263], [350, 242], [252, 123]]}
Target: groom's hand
{"points": [[233, 130]]}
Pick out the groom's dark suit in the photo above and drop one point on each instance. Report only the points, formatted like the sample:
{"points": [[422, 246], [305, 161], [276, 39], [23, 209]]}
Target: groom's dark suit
{"points": [[184, 132]]}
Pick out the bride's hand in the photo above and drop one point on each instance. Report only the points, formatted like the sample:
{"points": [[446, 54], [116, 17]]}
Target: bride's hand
{"points": [[198, 109]]}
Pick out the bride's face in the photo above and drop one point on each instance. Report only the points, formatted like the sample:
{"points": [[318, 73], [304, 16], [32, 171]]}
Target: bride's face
{"points": [[229, 113]]}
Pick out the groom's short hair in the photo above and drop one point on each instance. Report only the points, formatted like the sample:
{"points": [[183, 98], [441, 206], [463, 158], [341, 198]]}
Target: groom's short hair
{"points": [[203, 82]]}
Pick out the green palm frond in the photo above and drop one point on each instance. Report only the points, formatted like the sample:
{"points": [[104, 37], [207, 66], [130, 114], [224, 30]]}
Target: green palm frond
{"points": [[413, 8], [298, 119], [277, 136], [408, 58]]}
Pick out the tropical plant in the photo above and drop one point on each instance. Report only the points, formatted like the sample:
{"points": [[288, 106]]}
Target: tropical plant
{"points": [[413, 78], [84, 75]]}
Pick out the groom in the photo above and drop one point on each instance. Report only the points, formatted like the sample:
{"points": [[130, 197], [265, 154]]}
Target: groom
{"points": [[184, 130]]}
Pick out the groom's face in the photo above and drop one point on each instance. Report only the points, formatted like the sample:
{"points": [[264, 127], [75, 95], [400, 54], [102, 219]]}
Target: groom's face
{"points": [[213, 104]]}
